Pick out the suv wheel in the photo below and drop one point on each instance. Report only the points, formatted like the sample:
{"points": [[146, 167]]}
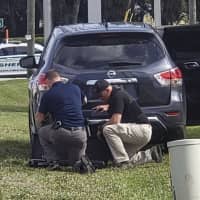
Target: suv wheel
{"points": [[36, 149], [177, 133]]}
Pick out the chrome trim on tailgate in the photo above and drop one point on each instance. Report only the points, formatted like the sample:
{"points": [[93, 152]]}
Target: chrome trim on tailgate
{"points": [[115, 81], [96, 121]]}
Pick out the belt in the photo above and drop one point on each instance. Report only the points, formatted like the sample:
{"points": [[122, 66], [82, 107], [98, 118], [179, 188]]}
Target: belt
{"points": [[74, 128]]}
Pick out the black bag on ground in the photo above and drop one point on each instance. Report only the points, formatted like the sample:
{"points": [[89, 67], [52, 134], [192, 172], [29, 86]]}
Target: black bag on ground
{"points": [[98, 150], [84, 166]]}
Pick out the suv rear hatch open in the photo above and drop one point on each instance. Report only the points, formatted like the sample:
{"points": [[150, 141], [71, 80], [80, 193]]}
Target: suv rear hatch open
{"points": [[183, 45]]}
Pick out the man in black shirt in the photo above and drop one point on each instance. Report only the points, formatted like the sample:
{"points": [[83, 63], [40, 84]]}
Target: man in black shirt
{"points": [[128, 129], [63, 102]]}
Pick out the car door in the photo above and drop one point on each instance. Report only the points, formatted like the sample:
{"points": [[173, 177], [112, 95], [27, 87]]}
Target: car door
{"points": [[183, 44]]}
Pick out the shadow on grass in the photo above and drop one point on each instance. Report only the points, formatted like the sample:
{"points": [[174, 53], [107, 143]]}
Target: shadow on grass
{"points": [[14, 150], [12, 108]]}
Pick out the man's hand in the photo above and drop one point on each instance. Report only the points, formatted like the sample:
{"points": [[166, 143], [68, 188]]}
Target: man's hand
{"points": [[40, 117], [101, 108], [115, 119]]}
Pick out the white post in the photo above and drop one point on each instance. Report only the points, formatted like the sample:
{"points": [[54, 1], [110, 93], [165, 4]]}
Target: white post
{"points": [[30, 36], [192, 12], [47, 19], [157, 12], [30, 26], [94, 11]]}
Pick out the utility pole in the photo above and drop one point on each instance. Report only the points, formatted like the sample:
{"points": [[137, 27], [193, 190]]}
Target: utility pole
{"points": [[47, 18], [30, 37], [157, 12], [94, 11], [192, 11]]}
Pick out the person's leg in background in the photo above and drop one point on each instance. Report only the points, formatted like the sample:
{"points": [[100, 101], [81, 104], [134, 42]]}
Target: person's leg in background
{"points": [[153, 154]]}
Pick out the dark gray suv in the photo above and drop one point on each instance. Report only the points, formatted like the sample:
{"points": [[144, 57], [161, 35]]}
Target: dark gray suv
{"points": [[131, 56]]}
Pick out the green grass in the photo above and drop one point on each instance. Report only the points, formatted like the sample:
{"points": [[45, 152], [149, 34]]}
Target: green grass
{"points": [[18, 181], [13, 96]]}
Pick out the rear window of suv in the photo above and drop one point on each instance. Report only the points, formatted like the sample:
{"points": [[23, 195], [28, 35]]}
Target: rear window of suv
{"points": [[102, 51]]}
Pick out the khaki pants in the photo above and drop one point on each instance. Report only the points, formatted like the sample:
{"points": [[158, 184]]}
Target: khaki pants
{"points": [[125, 139]]}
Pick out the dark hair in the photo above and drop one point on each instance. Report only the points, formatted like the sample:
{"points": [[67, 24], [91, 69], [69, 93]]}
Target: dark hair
{"points": [[51, 74], [101, 85]]}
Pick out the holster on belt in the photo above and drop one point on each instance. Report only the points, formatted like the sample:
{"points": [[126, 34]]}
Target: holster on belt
{"points": [[56, 125]]}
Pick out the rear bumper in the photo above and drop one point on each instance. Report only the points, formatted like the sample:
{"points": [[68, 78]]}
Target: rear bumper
{"points": [[171, 115]]}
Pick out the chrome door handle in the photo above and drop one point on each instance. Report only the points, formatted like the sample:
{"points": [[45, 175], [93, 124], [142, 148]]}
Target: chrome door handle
{"points": [[191, 65]]}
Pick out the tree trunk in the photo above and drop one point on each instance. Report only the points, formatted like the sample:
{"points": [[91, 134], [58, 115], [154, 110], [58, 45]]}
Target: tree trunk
{"points": [[198, 10], [171, 11], [11, 13], [65, 11], [38, 15], [114, 10]]}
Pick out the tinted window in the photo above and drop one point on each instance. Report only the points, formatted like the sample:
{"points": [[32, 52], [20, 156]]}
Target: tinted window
{"points": [[1, 52], [7, 51], [109, 50], [183, 43], [17, 50], [20, 50], [24, 49]]}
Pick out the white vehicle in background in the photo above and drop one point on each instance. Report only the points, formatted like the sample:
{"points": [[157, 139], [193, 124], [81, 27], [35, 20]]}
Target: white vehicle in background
{"points": [[10, 54]]}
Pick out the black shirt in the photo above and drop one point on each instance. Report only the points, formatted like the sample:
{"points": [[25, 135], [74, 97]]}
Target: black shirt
{"points": [[63, 102], [121, 102]]}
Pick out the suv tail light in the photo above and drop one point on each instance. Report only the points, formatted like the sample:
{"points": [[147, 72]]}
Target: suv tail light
{"points": [[173, 77], [42, 82]]}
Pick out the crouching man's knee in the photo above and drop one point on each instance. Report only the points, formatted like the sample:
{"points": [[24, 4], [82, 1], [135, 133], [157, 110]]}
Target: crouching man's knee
{"points": [[107, 130]]}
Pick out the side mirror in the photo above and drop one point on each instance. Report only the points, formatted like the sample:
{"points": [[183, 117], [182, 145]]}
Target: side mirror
{"points": [[28, 62]]}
